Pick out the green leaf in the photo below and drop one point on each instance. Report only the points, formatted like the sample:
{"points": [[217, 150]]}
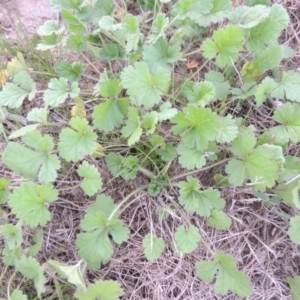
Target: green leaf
{"points": [[11, 256], [132, 129], [111, 88], [110, 114], [227, 130], [29, 202], [259, 167], [269, 58], [58, 91], [50, 27], [289, 193], [143, 87], [108, 23], [97, 241], [183, 7], [249, 17], [122, 166], [76, 42], [74, 273], [94, 247], [114, 163], [280, 14], [224, 45], [38, 241], [187, 239], [166, 112], [99, 221], [262, 35], [37, 115], [221, 86], [18, 295], [67, 4], [118, 232], [72, 72], [198, 126], [257, 2], [31, 269], [291, 169], [194, 200], [149, 122], [75, 25], [289, 87], [159, 25], [191, 158], [104, 204], [228, 277], [4, 183], [105, 290], [167, 152], [153, 246], [221, 181], [264, 90], [12, 235], [77, 142], [208, 12], [294, 283], [23, 131], [289, 116], [132, 32], [200, 93], [49, 42], [92, 182], [218, 219], [29, 162], [294, 229], [161, 54], [156, 185], [14, 93], [112, 51]]}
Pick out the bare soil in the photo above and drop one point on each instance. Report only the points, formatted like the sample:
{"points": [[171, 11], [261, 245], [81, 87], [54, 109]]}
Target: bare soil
{"points": [[30, 13], [257, 238]]}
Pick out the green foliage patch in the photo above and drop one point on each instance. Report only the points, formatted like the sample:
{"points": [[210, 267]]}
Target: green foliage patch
{"points": [[141, 117]]}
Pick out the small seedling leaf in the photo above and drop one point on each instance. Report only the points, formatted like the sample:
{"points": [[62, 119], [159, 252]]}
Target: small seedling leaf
{"points": [[153, 246]]}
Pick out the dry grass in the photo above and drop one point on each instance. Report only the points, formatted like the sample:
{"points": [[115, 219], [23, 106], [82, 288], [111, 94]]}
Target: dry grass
{"points": [[257, 238]]}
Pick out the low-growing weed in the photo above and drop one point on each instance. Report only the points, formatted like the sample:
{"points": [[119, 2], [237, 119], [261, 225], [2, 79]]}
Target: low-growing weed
{"points": [[163, 85]]}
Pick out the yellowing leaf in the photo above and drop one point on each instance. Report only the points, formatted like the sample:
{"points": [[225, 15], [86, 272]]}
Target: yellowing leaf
{"points": [[100, 152], [3, 77], [16, 65], [78, 112], [249, 70]]}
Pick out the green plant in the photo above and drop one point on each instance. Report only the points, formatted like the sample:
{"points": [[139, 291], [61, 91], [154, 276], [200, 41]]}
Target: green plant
{"points": [[156, 118]]}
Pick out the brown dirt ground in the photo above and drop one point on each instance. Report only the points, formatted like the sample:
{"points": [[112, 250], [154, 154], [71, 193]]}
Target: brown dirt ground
{"points": [[257, 238], [31, 13]]}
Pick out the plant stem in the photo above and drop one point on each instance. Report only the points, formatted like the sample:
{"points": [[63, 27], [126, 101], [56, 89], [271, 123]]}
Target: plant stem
{"points": [[9, 284], [126, 199], [146, 172], [199, 170]]}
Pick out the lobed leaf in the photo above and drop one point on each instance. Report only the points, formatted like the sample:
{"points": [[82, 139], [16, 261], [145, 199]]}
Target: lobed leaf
{"points": [[224, 45], [228, 278], [77, 142], [14, 93], [103, 289], [28, 202], [143, 87], [187, 239], [31, 269], [153, 246], [58, 91], [92, 182], [194, 200]]}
